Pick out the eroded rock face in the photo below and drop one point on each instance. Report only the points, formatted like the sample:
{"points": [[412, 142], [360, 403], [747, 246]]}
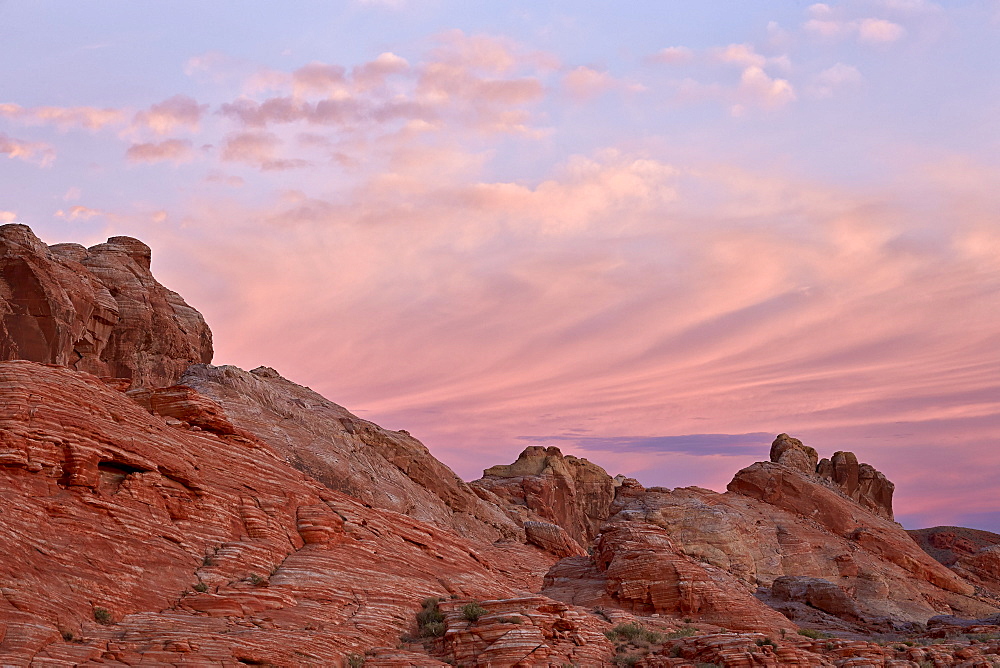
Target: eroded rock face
{"points": [[202, 547], [95, 309], [860, 482], [384, 468], [971, 553], [566, 490], [523, 631], [646, 573]]}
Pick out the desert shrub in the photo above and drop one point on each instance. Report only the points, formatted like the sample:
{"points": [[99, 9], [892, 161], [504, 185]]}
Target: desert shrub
{"points": [[102, 616], [766, 641], [67, 635], [254, 579], [200, 587], [510, 620], [707, 665], [634, 633], [682, 632], [430, 620], [473, 611], [355, 660], [625, 659], [813, 633]]}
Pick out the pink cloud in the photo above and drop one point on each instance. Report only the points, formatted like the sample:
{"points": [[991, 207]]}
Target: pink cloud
{"points": [[90, 118], [673, 55], [879, 31], [833, 79], [833, 25], [375, 72], [258, 149], [759, 89], [170, 150], [179, 111], [37, 152], [79, 213], [584, 83], [320, 78]]}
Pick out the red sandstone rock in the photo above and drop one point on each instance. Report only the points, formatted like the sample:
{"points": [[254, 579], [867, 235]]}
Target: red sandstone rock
{"points": [[552, 538], [387, 469], [970, 553], [789, 451], [98, 310], [645, 573], [565, 490], [817, 593], [523, 631], [860, 482], [799, 493], [108, 507]]}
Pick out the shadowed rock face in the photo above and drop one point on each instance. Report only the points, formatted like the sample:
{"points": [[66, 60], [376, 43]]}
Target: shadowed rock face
{"points": [[95, 309]]}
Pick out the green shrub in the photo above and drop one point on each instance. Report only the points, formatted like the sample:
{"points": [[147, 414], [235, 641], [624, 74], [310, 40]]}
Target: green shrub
{"points": [[200, 587], [473, 611], [430, 620], [254, 579], [102, 616], [67, 635], [355, 660], [813, 633], [635, 633], [625, 659], [510, 620], [682, 632], [766, 641]]}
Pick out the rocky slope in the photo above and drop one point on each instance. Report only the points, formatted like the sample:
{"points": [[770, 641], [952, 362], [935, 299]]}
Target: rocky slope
{"points": [[162, 511]]}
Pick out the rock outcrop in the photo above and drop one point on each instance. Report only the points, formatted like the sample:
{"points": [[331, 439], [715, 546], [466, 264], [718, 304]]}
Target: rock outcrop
{"points": [[565, 490], [131, 540], [95, 309], [154, 515], [972, 554], [860, 482], [645, 573], [384, 468]]}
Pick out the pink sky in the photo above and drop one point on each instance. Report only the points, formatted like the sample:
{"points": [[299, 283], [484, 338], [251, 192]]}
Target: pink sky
{"points": [[654, 238]]}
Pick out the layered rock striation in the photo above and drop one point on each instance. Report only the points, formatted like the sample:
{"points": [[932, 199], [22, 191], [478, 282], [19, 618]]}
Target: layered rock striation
{"points": [[95, 309]]}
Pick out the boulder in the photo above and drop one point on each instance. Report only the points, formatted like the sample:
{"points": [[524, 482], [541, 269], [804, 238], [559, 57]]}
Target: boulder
{"points": [[817, 593], [789, 451]]}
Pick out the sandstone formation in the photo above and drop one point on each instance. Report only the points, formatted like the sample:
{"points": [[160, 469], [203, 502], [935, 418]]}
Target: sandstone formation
{"points": [[386, 469], [128, 539], [860, 482], [565, 490], [161, 511], [95, 309], [970, 553]]}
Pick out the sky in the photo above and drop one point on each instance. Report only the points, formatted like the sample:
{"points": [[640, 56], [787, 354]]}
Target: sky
{"points": [[653, 234]]}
